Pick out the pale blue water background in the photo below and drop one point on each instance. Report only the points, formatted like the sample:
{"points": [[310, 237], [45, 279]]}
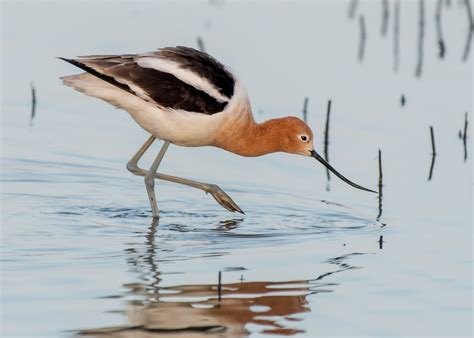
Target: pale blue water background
{"points": [[78, 248]]}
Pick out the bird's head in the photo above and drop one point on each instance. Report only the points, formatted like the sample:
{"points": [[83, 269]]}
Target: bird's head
{"points": [[297, 138]]}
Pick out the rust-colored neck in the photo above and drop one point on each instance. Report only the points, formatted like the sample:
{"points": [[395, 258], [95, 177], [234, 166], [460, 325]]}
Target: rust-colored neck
{"points": [[247, 138]]}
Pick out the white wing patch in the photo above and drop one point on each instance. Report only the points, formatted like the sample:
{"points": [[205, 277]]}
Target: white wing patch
{"points": [[184, 75]]}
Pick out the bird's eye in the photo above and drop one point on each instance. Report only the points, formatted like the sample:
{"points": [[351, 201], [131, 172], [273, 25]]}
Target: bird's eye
{"points": [[304, 138]]}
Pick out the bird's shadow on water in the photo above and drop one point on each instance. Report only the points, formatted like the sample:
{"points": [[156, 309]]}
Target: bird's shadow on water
{"points": [[273, 307]]}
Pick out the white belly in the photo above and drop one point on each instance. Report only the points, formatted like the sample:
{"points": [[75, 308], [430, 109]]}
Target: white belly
{"points": [[179, 127]]}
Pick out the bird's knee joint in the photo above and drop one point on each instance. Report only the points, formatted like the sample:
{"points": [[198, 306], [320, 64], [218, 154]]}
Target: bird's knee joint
{"points": [[149, 180], [132, 167]]}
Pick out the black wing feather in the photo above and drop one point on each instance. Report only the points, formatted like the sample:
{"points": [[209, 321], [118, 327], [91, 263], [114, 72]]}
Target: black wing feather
{"points": [[202, 64], [167, 90], [163, 88]]}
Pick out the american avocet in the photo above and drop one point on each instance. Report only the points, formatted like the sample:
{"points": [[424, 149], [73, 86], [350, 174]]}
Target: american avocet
{"points": [[188, 98]]}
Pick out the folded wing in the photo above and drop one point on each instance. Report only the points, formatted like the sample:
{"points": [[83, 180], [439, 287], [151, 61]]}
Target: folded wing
{"points": [[174, 77]]}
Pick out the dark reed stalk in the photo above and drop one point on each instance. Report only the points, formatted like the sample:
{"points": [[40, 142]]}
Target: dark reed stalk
{"points": [[381, 242], [465, 127], [433, 157], [363, 37], [380, 172], [433, 147], [385, 16], [380, 185], [433, 154], [305, 109], [33, 102], [380, 206], [396, 36], [326, 138], [219, 287], [464, 138], [471, 30], [352, 9], [439, 30], [421, 37], [200, 43]]}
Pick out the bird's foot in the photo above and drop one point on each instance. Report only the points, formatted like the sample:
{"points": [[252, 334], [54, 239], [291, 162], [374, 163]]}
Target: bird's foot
{"points": [[223, 199]]}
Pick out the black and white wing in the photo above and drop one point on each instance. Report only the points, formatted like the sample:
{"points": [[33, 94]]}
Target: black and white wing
{"points": [[179, 78]]}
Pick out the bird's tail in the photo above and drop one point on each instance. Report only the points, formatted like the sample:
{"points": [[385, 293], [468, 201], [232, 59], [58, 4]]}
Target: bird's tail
{"points": [[81, 82]]}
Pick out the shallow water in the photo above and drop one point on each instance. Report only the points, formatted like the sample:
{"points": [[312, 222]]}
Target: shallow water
{"points": [[82, 257]]}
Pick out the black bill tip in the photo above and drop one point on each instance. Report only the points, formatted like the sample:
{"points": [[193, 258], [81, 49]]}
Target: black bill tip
{"points": [[335, 172]]}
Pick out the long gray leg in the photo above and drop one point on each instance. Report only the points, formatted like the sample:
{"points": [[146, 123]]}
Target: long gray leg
{"points": [[132, 165], [150, 179], [219, 195]]}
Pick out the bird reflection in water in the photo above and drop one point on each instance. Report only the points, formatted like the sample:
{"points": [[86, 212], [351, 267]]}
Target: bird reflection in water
{"points": [[273, 308]]}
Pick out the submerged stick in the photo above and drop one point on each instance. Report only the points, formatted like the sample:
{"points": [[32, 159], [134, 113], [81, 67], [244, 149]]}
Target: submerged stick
{"points": [[385, 16], [200, 43], [363, 37], [421, 37], [381, 242], [33, 102], [471, 30], [439, 31], [352, 9], [396, 36], [326, 139], [305, 109]]}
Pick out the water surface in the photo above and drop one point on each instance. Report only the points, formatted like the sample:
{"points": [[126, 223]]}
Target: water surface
{"points": [[82, 257]]}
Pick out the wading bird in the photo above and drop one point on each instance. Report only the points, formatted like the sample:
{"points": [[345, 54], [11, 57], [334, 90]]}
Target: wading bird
{"points": [[188, 98]]}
